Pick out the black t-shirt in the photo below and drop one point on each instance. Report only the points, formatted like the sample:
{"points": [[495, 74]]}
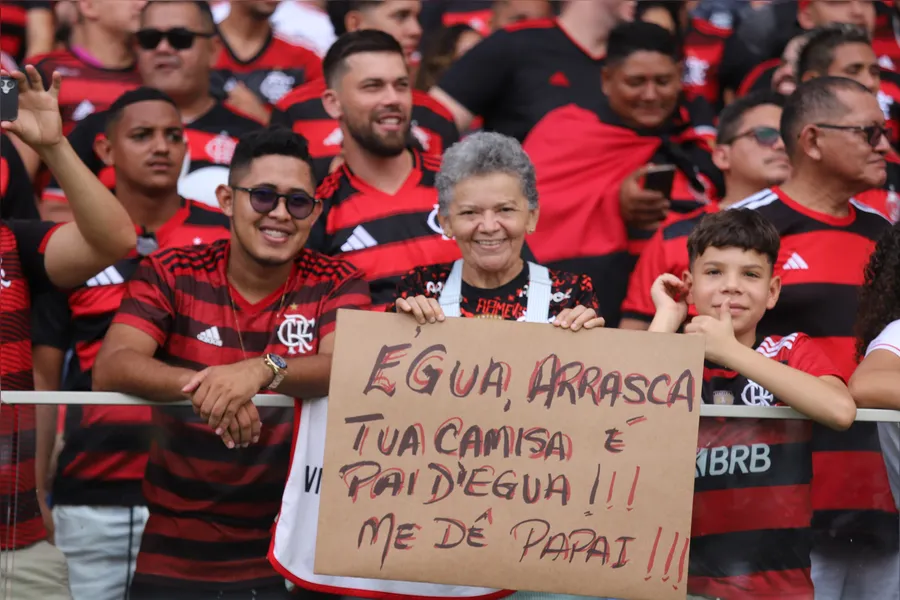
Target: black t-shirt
{"points": [[507, 302], [516, 75], [16, 193]]}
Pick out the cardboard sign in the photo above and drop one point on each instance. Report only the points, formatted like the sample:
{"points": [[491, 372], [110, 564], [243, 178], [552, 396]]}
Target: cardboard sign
{"points": [[510, 455]]}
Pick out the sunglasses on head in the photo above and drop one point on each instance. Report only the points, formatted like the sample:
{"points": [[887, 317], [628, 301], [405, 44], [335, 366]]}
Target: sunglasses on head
{"points": [[872, 133], [179, 38], [764, 136], [264, 200]]}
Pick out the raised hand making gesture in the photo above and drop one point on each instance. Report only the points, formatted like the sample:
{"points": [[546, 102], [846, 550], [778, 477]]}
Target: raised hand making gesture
{"points": [[39, 123]]}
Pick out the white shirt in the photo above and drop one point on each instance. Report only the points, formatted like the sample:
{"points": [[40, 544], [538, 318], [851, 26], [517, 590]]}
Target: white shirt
{"points": [[297, 21], [889, 433]]}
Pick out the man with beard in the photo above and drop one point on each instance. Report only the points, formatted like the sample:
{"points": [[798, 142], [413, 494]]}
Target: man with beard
{"points": [[380, 204], [433, 129], [201, 322]]}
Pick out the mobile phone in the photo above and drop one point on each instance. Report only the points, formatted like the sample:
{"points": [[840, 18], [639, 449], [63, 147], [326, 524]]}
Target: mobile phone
{"points": [[9, 99], [659, 178]]}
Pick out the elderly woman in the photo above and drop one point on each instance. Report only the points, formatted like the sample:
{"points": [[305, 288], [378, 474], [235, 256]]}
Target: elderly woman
{"points": [[488, 202]]}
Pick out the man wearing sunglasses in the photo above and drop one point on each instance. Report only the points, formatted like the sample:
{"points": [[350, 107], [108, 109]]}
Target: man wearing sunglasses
{"points": [[750, 153], [845, 51], [219, 324], [835, 136], [99, 509], [176, 50]]}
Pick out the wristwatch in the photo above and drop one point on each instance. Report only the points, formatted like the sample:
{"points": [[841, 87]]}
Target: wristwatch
{"points": [[279, 368]]}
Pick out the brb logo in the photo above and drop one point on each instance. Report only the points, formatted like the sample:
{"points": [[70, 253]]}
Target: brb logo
{"points": [[722, 460]]}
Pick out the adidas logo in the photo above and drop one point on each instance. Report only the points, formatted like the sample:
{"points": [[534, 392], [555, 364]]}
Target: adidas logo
{"points": [[82, 110], [108, 276], [795, 262], [210, 336], [359, 239], [335, 138]]}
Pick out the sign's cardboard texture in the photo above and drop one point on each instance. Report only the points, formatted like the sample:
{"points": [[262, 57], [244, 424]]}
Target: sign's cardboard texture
{"points": [[510, 455]]}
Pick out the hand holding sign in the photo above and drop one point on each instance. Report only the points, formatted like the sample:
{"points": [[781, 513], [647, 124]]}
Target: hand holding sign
{"points": [[425, 310]]}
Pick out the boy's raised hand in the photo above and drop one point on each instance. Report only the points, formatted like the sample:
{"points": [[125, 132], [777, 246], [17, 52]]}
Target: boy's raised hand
{"points": [[669, 294], [718, 331]]}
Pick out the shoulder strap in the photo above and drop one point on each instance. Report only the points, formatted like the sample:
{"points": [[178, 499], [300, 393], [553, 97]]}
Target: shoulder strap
{"points": [[451, 294], [540, 288]]}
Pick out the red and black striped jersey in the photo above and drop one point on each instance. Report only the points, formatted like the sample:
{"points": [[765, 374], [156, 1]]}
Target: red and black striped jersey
{"points": [[821, 264], [211, 141], [886, 42], [384, 235], [750, 533], [277, 68], [13, 22], [432, 127], [211, 508], [581, 157], [703, 47], [16, 191], [86, 88], [507, 302], [105, 455], [22, 274], [666, 252]]}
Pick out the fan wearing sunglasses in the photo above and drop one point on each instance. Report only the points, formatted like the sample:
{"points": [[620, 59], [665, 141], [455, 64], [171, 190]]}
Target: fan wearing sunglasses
{"points": [[750, 153]]}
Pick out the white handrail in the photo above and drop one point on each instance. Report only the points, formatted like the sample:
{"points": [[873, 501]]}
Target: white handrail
{"points": [[275, 400]]}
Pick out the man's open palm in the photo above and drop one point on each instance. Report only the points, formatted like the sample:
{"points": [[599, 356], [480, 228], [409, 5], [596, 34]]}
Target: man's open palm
{"points": [[39, 123]]}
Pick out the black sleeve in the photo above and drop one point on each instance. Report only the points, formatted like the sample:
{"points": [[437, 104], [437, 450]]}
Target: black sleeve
{"points": [[31, 239], [17, 201], [279, 118], [481, 75], [51, 320]]}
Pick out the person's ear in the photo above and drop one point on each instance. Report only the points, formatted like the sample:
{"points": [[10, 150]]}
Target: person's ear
{"points": [[332, 104], [688, 281], [103, 149], [774, 292], [444, 223], [533, 216], [721, 157], [225, 196]]}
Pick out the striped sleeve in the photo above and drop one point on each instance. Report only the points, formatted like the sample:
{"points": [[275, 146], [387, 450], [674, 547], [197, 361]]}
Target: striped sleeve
{"points": [[350, 292], [149, 302], [807, 356]]}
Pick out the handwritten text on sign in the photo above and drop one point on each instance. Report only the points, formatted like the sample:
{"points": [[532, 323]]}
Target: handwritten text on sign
{"points": [[510, 455]]}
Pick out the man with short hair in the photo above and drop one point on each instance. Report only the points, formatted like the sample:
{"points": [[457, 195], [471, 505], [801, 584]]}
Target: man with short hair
{"points": [[177, 48], [834, 134], [203, 323], [99, 510], [432, 128], [35, 257], [750, 153], [380, 206]]}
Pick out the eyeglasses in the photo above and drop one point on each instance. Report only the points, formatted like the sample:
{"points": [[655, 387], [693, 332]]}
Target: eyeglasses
{"points": [[264, 200], [872, 133], [179, 38], [764, 136]]}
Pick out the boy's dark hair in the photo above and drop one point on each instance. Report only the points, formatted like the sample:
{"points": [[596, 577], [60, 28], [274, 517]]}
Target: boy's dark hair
{"points": [[627, 38], [206, 14], [818, 52], [356, 42], [735, 228], [274, 141], [731, 119], [338, 10], [142, 94]]}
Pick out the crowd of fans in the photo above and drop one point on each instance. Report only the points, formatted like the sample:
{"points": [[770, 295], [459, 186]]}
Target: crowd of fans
{"points": [[191, 191]]}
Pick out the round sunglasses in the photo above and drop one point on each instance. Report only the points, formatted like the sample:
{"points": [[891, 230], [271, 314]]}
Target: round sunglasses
{"points": [[179, 38], [764, 136], [264, 200]]}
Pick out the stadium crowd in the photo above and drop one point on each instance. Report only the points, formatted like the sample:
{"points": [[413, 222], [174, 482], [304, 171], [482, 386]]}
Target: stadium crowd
{"points": [[191, 190]]}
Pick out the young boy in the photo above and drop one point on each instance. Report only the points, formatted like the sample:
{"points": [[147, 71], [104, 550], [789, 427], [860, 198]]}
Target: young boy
{"points": [[750, 532]]}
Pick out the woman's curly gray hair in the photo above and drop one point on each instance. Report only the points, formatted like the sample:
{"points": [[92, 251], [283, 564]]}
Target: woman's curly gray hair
{"points": [[484, 153]]}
